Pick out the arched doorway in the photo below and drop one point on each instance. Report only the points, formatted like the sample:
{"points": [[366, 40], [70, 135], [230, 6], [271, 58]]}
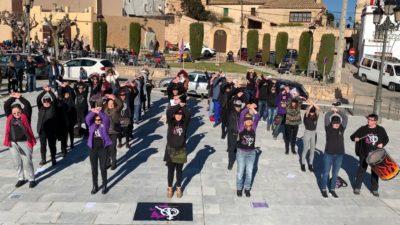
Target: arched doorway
{"points": [[220, 41]]}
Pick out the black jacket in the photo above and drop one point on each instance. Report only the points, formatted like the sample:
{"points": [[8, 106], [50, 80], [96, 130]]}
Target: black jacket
{"points": [[47, 121], [371, 138], [27, 108], [334, 137], [179, 86]]}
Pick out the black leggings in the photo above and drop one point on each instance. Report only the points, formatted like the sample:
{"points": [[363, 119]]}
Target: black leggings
{"points": [[112, 150], [126, 133], [171, 169], [98, 155], [290, 136], [64, 139], [51, 140]]}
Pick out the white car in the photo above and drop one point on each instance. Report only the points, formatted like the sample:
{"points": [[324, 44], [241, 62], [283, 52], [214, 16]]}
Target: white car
{"points": [[205, 51], [91, 65]]}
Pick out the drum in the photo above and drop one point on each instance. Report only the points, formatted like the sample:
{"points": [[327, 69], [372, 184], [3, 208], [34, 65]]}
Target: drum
{"points": [[382, 164]]}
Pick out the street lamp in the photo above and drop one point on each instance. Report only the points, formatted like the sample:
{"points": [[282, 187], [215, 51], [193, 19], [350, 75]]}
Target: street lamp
{"points": [[389, 9], [311, 30], [28, 4], [100, 18]]}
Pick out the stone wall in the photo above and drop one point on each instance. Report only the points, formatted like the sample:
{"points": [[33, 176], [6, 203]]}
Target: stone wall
{"points": [[330, 92]]}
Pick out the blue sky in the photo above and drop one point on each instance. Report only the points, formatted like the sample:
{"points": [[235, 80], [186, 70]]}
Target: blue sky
{"points": [[335, 6]]}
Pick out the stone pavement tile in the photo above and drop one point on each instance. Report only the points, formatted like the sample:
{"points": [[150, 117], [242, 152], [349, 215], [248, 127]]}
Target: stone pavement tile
{"points": [[393, 203], [212, 209], [10, 217], [31, 207], [100, 207], [70, 207], [112, 218], [36, 217], [76, 218], [7, 204], [220, 220], [60, 197]]}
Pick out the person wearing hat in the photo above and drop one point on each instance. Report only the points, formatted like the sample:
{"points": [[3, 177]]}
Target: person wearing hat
{"points": [[47, 123], [19, 137], [234, 108], [246, 152], [310, 121], [335, 124], [178, 119], [368, 138], [98, 142]]}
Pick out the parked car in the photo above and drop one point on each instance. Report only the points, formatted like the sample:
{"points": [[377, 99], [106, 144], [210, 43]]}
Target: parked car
{"points": [[370, 67], [205, 51], [40, 60], [91, 65], [197, 83]]}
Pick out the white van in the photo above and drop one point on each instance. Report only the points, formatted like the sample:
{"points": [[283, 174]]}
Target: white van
{"points": [[370, 67]]}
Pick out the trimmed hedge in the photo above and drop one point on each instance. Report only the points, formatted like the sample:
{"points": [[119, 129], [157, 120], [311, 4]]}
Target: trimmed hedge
{"points": [[266, 48], [327, 49], [281, 46], [252, 44], [135, 37], [196, 39], [306, 39], [97, 27]]}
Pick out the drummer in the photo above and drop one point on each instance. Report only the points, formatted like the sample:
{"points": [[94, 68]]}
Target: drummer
{"points": [[368, 138]]}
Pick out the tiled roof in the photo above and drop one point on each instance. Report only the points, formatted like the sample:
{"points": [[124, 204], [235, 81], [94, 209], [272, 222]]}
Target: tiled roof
{"points": [[292, 4], [236, 2]]}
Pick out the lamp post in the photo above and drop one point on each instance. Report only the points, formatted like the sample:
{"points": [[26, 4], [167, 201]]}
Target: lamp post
{"points": [[100, 18], [390, 8], [27, 4], [311, 30]]}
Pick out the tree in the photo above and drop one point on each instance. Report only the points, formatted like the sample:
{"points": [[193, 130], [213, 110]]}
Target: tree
{"points": [[252, 44], [195, 9], [305, 49], [135, 37], [57, 28], [266, 48], [281, 46], [330, 18], [100, 36], [18, 24], [326, 52], [196, 39]]}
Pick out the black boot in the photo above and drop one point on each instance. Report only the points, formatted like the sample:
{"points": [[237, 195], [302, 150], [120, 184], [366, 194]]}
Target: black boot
{"points": [[303, 167], [95, 189], [104, 189]]}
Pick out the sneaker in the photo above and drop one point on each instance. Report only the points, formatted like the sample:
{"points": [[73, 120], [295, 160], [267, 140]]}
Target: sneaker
{"points": [[95, 189], [333, 193], [170, 192], [356, 191], [20, 183], [104, 190], [311, 168], [324, 194], [375, 193], [303, 168], [287, 152], [42, 163], [179, 192], [239, 193], [247, 192], [32, 184]]}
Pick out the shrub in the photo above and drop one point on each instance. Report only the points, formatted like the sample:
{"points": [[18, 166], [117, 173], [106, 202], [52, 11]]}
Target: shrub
{"points": [[266, 48], [327, 49], [135, 37], [196, 39], [252, 44], [100, 28], [281, 46], [306, 40]]}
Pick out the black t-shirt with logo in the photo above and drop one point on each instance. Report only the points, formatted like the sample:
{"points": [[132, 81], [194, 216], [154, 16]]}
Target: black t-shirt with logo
{"points": [[247, 139], [176, 135], [371, 137]]}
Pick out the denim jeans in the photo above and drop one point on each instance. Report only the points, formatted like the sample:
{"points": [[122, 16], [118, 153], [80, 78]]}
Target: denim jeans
{"points": [[333, 161], [250, 94], [245, 162], [211, 108], [137, 113], [262, 105], [53, 83], [217, 111], [31, 82], [271, 113]]}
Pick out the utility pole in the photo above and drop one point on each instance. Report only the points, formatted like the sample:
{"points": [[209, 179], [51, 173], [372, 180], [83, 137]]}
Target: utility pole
{"points": [[241, 30], [341, 42]]}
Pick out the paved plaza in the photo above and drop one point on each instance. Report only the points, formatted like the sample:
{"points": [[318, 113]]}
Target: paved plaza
{"points": [[62, 195]]}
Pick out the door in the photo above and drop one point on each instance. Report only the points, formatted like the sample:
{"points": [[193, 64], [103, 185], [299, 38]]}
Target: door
{"points": [[71, 69], [220, 41]]}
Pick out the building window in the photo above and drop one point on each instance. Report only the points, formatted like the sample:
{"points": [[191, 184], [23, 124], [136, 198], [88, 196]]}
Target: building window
{"points": [[226, 12], [300, 17], [253, 24], [367, 62], [253, 11]]}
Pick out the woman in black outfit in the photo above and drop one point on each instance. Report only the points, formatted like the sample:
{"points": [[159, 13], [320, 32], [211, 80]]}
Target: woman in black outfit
{"points": [[11, 74], [178, 118]]}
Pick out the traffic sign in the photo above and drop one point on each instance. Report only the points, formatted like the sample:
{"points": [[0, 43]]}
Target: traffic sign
{"points": [[352, 51], [351, 59]]}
